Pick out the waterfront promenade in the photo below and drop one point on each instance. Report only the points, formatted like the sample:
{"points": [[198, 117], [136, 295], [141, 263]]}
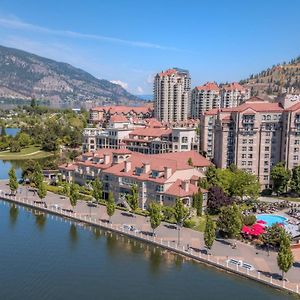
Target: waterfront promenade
{"points": [[191, 244]]}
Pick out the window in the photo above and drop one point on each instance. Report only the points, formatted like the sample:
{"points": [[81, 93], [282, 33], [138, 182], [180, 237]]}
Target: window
{"points": [[266, 177], [297, 142], [244, 141], [267, 141], [266, 163], [296, 157], [249, 163], [296, 150], [267, 148], [267, 155], [244, 148], [243, 163], [251, 141], [250, 148], [184, 139], [266, 170], [250, 155], [268, 133], [243, 155]]}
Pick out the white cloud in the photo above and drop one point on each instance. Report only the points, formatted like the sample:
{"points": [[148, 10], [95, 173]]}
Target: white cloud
{"points": [[140, 90], [17, 24], [123, 84], [150, 78]]}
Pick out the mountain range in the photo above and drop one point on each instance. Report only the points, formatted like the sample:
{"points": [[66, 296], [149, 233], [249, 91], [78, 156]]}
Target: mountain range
{"points": [[276, 80], [25, 76]]}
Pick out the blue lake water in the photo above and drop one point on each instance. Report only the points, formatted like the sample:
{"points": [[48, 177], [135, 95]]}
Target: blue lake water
{"points": [[43, 257]]}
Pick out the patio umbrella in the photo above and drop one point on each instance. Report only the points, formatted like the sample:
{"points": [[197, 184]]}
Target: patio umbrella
{"points": [[257, 229], [246, 229]]}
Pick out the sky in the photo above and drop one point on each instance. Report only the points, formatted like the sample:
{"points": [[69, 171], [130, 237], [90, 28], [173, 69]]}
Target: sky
{"points": [[129, 41]]}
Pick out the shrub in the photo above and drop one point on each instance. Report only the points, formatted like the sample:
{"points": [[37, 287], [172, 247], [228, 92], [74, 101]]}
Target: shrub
{"points": [[189, 223], [249, 220]]}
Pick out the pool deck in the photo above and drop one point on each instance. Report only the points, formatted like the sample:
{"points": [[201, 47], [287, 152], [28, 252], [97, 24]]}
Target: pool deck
{"points": [[191, 242]]}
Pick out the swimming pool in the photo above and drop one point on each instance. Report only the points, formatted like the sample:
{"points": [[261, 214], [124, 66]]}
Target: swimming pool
{"points": [[271, 219]]}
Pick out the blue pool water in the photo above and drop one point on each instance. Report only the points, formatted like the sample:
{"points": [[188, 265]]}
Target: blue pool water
{"points": [[271, 219]]}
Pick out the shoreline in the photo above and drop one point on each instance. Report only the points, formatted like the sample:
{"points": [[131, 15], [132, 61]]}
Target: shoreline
{"points": [[195, 255]]}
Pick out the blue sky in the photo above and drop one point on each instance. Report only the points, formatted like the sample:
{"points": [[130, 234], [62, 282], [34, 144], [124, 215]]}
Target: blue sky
{"points": [[130, 40]]}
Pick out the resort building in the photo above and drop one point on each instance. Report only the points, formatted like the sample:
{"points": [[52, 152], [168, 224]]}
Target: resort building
{"points": [[159, 177], [204, 98], [172, 95], [254, 136], [233, 95], [102, 114], [146, 136]]}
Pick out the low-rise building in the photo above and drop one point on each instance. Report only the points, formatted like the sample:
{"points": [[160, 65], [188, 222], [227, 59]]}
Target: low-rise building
{"points": [[159, 177]]}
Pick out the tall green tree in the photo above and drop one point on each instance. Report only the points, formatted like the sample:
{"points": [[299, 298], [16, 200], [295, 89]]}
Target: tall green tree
{"points": [[110, 206], [230, 221], [3, 130], [37, 175], [155, 215], [23, 139], [134, 197], [198, 202], [74, 194], [180, 214], [209, 232], [285, 257], [42, 190], [280, 177], [295, 180], [13, 182], [97, 190]]}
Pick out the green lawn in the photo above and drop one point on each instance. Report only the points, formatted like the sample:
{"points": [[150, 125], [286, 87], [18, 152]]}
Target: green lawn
{"points": [[31, 152]]}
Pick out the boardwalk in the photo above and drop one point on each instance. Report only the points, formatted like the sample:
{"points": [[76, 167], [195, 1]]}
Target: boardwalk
{"points": [[191, 243]]}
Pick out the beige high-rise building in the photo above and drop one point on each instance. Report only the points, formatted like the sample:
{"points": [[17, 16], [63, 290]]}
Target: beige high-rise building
{"points": [[204, 98], [254, 136], [234, 94], [172, 95]]}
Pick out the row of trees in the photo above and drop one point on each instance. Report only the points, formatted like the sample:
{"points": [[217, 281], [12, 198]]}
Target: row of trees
{"points": [[284, 179]]}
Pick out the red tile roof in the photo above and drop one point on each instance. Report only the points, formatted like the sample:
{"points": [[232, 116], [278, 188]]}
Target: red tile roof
{"points": [[153, 132], [68, 167], [176, 189], [118, 119], [168, 72], [118, 109], [209, 86], [234, 86]]}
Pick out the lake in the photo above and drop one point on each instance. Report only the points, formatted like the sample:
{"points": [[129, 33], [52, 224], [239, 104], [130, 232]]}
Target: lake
{"points": [[47, 257]]}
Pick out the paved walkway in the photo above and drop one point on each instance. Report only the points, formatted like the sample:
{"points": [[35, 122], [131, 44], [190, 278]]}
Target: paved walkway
{"points": [[221, 249]]}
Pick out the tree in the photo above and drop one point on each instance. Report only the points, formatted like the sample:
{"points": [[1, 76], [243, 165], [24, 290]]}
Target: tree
{"points": [[190, 161], [13, 182], [50, 142], [230, 221], [133, 198], [272, 235], [209, 232], [217, 199], [111, 205], [285, 257], [295, 180], [280, 177], [155, 215], [33, 103], [37, 176], [180, 214], [15, 146], [3, 130], [66, 189], [42, 190], [211, 175], [74, 194], [23, 139], [198, 202], [97, 190]]}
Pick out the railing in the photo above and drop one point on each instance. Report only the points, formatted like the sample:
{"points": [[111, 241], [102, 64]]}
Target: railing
{"points": [[196, 254]]}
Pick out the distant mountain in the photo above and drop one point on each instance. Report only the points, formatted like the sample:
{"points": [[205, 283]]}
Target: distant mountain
{"points": [[25, 75], [146, 97], [277, 80]]}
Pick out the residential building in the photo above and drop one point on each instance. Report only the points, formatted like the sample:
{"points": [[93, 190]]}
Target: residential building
{"points": [[204, 98], [234, 94], [159, 177], [102, 114], [254, 136], [172, 95]]}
